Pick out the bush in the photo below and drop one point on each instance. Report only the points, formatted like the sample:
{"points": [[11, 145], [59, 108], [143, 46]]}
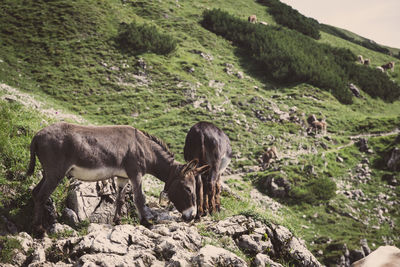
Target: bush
{"points": [[315, 191], [136, 39], [8, 247], [365, 43], [286, 55], [287, 16], [290, 57]]}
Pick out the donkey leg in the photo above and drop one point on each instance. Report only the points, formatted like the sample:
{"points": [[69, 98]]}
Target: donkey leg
{"points": [[205, 194], [41, 194], [120, 203], [213, 177], [199, 197], [211, 197], [140, 201], [218, 194]]}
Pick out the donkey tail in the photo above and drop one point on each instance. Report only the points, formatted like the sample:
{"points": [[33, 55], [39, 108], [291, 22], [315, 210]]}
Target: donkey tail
{"points": [[31, 167]]}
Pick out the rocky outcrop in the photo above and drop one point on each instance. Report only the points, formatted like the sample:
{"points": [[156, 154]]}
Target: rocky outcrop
{"points": [[94, 202], [168, 243], [394, 161], [266, 242]]}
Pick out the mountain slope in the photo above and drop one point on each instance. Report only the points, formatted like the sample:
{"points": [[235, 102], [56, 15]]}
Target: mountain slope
{"points": [[67, 53]]}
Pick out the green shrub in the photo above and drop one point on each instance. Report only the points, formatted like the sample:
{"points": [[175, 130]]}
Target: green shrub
{"points": [[136, 39], [8, 247], [287, 16], [315, 191], [290, 57], [365, 43]]}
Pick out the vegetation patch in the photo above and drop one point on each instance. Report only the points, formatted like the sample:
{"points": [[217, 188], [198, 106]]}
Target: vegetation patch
{"points": [[136, 39], [291, 18], [8, 248], [291, 57]]}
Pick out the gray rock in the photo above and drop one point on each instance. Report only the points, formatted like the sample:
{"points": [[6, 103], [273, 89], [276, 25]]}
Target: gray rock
{"points": [[363, 145], [58, 228], [94, 202], [262, 260], [233, 226], [276, 187], [365, 247], [356, 255], [70, 217], [394, 161], [210, 256], [254, 244]]}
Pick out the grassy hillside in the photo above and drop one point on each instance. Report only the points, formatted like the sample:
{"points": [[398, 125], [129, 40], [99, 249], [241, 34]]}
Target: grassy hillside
{"points": [[68, 54]]}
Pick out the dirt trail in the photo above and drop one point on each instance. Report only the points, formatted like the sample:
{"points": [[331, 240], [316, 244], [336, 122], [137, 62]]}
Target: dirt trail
{"points": [[30, 101], [353, 139]]}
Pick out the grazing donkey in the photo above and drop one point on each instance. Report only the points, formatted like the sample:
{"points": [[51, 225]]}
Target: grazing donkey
{"points": [[211, 146], [93, 153]]}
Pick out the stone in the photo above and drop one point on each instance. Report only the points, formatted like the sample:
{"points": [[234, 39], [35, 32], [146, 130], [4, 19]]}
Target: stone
{"points": [[95, 202], [70, 217], [394, 161], [59, 228], [262, 260], [234, 226], [363, 145], [210, 256]]}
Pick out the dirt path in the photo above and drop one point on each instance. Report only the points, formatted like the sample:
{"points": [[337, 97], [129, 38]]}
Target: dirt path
{"points": [[353, 139], [30, 101]]}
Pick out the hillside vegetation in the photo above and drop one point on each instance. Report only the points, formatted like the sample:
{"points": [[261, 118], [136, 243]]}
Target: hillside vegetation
{"points": [[86, 57]]}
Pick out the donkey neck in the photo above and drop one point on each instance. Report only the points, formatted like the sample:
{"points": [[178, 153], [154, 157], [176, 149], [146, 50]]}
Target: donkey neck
{"points": [[162, 164]]}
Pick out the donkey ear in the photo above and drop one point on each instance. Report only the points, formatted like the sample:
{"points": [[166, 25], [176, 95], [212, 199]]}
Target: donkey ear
{"points": [[202, 169], [191, 165]]}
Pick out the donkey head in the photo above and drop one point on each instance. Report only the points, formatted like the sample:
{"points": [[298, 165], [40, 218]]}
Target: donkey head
{"points": [[181, 189]]}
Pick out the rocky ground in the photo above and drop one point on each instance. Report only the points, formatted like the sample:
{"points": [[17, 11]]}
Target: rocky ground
{"points": [[171, 242]]}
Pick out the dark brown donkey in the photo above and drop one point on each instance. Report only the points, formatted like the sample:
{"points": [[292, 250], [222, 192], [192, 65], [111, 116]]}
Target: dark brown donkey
{"points": [[211, 146], [93, 153]]}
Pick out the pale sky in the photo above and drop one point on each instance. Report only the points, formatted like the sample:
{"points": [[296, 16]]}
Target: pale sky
{"points": [[378, 20]]}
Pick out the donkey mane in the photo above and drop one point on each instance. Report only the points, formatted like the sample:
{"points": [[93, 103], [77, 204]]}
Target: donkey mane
{"points": [[159, 142]]}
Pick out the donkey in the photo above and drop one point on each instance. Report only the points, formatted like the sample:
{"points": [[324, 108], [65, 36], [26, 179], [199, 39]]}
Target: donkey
{"points": [[211, 146], [94, 153]]}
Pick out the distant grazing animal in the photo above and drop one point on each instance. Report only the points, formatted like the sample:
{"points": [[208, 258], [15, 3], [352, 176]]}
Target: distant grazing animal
{"points": [[360, 59], [269, 156], [211, 146], [319, 126], [94, 153], [316, 125], [252, 19], [367, 62], [385, 256], [380, 68], [311, 118], [388, 66]]}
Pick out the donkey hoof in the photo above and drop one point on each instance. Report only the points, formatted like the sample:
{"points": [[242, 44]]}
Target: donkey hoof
{"points": [[117, 221], [146, 223], [38, 232]]}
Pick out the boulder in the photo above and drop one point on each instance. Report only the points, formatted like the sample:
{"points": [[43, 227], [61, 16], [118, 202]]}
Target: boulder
{"points": [[394, 160], [276, 186], [95, 202], [210, 256], [263, 260], [383, 256]]}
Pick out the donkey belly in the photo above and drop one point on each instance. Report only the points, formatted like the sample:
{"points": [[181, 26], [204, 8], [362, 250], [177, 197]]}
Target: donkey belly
{"points": [[224, 163], [95, 174]]}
